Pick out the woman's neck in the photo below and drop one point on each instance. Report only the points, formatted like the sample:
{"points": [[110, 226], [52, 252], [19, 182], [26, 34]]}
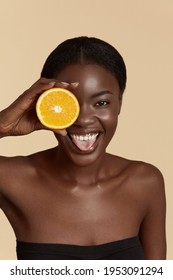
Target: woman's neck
{"points": [[89, 174]]}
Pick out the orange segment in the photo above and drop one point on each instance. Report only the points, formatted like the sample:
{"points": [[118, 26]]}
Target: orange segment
{"points": [[57, 108]]}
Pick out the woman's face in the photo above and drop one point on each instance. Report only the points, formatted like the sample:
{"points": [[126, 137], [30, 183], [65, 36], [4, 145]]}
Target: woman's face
{"points": [[100, 102]]}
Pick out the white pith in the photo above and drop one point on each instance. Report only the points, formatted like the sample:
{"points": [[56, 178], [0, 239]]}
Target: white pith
{"points": [[57, 109]]}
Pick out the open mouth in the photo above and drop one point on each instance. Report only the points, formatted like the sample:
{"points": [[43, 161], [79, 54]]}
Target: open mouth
{"points": [[84, 142]]}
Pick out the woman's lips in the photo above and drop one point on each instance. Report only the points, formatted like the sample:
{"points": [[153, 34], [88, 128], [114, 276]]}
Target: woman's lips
{"points": [[84, 142]]}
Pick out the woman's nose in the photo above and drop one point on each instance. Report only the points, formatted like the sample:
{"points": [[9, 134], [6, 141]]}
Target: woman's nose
{"points": [[86, 116]]}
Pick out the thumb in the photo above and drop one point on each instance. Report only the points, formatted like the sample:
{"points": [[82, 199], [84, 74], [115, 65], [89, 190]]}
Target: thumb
{"points": [[62, 132]]}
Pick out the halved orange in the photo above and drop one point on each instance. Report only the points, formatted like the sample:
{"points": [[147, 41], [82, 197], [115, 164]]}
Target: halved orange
{"points": [[57, 108]]}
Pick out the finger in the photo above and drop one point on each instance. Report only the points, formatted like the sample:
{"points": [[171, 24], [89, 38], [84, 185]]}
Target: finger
{"points": [[43, 81], [40, 126], [73, 86], [69, 86], [28, 99], [62, 132]]}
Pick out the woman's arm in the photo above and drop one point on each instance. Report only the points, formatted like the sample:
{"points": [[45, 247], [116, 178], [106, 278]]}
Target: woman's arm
{"points": [[152, 233]]}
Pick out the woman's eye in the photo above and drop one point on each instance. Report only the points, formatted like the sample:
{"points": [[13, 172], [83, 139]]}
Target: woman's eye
{"points": [[102, 103]]}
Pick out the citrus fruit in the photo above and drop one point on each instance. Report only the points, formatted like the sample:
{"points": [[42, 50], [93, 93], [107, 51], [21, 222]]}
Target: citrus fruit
{"points": [[57, 108]]}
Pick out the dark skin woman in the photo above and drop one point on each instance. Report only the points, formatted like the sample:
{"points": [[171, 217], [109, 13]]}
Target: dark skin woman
{"points": [[76, 201]]}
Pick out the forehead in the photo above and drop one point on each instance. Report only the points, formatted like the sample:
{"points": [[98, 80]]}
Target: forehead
{"points": [[89, 76]]}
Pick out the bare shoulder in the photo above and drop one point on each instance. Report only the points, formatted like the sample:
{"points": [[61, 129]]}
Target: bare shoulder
{"points": [[141, 176], [7, 163], [10, 167], [149, 176], [146, 181], [17, 167], [15, 172], [149, 186], [13, 169], [144, 172]]}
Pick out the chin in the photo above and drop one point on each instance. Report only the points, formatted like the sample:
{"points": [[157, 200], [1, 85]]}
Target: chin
{"points": [[85, 160]]}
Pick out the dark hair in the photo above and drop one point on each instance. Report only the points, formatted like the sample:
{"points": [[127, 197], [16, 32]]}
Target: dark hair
{"points": [[87, 50]]}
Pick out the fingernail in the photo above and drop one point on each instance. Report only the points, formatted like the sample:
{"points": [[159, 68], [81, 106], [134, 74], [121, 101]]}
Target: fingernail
{"points": [[65, 83], [52, 84], [74, 84]]}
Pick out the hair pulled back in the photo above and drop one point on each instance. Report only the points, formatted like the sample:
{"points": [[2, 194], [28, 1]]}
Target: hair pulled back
{"points": [[86, 50]]}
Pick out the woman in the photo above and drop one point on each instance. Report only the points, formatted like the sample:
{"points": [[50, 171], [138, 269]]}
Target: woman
{"points": [[75, 201]]}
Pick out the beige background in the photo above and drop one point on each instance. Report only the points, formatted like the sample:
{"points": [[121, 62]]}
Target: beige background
{"points": [[142, 32]]}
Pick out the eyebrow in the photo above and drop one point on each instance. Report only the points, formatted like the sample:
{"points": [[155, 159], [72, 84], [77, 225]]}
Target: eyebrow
{"points": [[101, 93]]}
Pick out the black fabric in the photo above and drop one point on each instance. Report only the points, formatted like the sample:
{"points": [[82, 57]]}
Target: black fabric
{"points": [[126, 249]]}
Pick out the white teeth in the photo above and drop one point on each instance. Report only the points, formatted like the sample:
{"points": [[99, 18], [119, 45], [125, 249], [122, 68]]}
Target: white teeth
{"points": [[84, 137]]}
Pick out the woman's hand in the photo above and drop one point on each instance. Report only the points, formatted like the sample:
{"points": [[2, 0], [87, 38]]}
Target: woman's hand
{"points": [[20, 117]]}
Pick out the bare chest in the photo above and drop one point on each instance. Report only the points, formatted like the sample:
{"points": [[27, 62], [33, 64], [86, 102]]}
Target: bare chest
{"points": [[61, 213]]}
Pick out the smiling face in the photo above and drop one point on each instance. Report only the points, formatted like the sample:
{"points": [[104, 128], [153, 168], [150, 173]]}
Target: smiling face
{"points": [[100, 102]]}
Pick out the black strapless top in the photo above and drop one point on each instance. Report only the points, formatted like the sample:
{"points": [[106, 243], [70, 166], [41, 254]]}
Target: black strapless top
{"points": [[125, 249]]}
